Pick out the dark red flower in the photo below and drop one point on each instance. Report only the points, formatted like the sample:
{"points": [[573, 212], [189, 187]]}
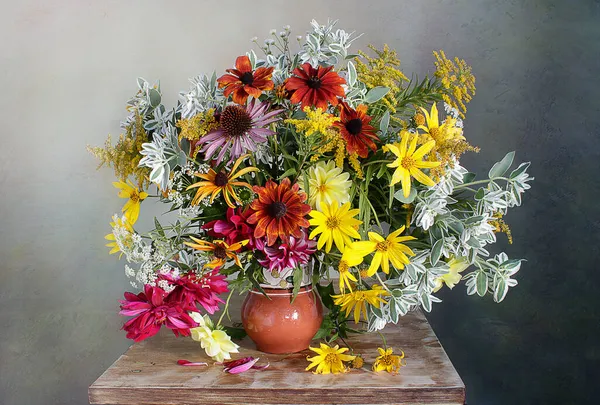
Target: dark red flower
{"points": [[356, 131], [192, 289], [233, 229], [244, 82], [315, 87], [151, 310]]}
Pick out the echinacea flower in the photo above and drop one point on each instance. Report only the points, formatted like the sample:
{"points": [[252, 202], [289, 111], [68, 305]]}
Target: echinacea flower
{"points": [[327, 184], [329, 360], [221, 251], [131, 209], [453, 277], [287, 254], [234, 228], [315, 87], [120, 236], [387, 250], [279, 211], [196, 289], [244, 82], [215, 183], [240, 130], [335, 224], [355, 129], [357, 300], [388, 361], [216, 342], [409, 162], [151, 310]]}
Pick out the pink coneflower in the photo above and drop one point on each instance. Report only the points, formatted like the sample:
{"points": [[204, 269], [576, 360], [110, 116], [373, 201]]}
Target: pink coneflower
{"points": [[151, 310], [240, 129], [192, 289], [233, 229], [287, 254]]}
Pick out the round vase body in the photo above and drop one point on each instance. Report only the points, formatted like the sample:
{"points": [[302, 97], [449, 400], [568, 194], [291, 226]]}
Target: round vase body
{"points": [[278, 326]]}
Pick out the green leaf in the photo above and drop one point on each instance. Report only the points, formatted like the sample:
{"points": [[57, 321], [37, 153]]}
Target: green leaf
{"points": [[502, 166], [501, 290], [436, 252], [399, 195], [297, 281], [352, 76], [469, 177], [480, 194], [376, 94], [287, 173], [522, 167], [235, 333], [482, 283], [154, 98], [326, 292], [159, 228], [385, 122]]}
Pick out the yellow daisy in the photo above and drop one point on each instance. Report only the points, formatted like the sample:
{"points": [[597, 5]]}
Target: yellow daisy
{"points": [[388, 250], [329, 359], [327, 184], [220, 250], [335, 224], [409, 162], [357, 301], [122, 223], [131, 209], [453, 276], [388, 361], [353, 256], [440, 133]]}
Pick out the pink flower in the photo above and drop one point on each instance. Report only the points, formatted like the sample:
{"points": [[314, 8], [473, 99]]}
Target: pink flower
{"points": [[289, 254], [192, 289], [233, 229], [151, 310]]}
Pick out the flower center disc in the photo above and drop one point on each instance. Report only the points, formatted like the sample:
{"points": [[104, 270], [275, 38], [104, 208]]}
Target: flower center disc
{"points": [[247, 78], [134, 197], [220, 252], [221, 179], [314, 83], [277, 209], [382, 246], [354, 126], [407, 162], [330, 358], [332, 222], [235, 120]]}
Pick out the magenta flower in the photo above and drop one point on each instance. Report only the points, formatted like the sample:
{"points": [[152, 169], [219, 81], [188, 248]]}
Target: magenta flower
{"points": [[233, 229], [151, 310], [192, 289], [240, 129], [289, 254]]}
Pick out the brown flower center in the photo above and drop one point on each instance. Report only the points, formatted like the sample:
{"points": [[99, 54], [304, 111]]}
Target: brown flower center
{"points": [[331, 358], [134, 197], [247, 78], [314, 83], [387, 359], [221, 179], [220, 252], [277, 209], [235, 120], [354, 126], [435, 133], [332, 222], [407, 162], [382, 246]]}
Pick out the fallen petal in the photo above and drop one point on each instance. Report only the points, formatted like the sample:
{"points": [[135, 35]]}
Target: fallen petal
{"points": [[190, 363], [242, 367], [255, 367]]}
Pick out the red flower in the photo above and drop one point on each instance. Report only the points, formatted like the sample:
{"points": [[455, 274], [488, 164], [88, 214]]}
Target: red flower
{"points": [[279, 211], [192, 289], [234, 229], [315, 87], [243, 82], [151, 310], [356, 131]]}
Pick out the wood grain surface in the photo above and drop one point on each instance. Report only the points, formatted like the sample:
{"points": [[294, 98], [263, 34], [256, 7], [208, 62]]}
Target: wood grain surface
{"points": [[148, 374]]}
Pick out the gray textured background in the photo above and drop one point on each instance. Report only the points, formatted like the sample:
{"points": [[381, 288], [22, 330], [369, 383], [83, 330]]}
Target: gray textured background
{"points": [[67, 69]]}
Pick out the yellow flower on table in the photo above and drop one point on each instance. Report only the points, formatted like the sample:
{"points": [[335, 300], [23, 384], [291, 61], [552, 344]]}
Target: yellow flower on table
{"points": [[131, 209], [335, 224], [388, 250], [409, 162], [388, 361], [453, 277], [357, 301], [329, 360], [327, 184], [215, 342]]}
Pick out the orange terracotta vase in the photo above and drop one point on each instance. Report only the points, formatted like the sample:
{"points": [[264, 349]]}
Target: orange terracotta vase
{"points": [[278, 326]]}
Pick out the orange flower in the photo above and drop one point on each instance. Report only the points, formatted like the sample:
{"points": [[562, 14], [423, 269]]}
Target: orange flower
{"points": [[315, 87], [279, 211], [244, 82], [216, 182], [220, 249], [356, 131]]}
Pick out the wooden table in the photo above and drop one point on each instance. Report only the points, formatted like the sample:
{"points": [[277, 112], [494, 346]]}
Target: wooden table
{"points": [[148, 374]]}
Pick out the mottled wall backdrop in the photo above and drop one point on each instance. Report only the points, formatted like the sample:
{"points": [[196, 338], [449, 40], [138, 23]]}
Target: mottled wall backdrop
{"points": [[67, 68]]}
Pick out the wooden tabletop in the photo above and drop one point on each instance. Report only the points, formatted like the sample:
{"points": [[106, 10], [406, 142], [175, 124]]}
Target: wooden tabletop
{"points": [[148, 374]]}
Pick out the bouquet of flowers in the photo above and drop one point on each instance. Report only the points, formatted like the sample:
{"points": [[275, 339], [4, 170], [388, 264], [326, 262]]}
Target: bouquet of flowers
{"points": [[319, 159]]}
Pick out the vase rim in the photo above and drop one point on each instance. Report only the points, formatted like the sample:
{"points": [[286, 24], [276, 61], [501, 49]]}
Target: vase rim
{"points": [[283, 292]]}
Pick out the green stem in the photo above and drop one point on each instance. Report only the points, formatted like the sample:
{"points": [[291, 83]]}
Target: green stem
{"points": [[480, 182], [226, 309], [384, 341]]}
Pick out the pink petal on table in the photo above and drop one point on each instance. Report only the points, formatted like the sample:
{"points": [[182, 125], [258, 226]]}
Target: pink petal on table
{"points": [[190, 363], [241, 367], [260, 367]]}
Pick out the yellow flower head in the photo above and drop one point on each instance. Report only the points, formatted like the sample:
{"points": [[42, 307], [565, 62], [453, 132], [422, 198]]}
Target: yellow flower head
{"points": [[335, 224], [329, 359], [457, 80], [409, 162], [316, 121], [197, 126], [388, 250], [388, 361], [327, 184], [123, 228], [215, 342], [453, 277], [214, 183], [441, 134], [131, 209], [220, 250], [353, 255], [357, 301]]}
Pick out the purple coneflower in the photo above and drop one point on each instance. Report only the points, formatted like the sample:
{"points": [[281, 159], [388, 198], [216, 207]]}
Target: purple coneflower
{"points": [[288, 254], [241, 128]]}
